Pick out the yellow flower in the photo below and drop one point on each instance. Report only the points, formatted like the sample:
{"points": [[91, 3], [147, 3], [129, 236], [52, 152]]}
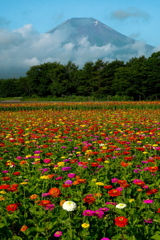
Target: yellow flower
{"points": [[36, 159], [100, 183], [2, 192], [106, 161], [104, 147], [94, 180], [60, 164], [24, 183], [131, 200], [44, 177], [55, 168], [85, 225], [145, 152], [63, 157]]}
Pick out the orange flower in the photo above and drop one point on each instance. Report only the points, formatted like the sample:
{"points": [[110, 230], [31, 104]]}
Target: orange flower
{"points": [[50, 175], [34, 196], [6, 178], [44, 203], [55, 192], [61, 202], [123, 164], [23, 228], [78, 181], [23, 162]]}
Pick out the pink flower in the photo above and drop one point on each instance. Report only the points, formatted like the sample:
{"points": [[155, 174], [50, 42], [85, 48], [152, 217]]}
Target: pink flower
{"points": [[148, 201], [47, 160], [114, 180], [58, 234], [105, 238], [71, 175]]}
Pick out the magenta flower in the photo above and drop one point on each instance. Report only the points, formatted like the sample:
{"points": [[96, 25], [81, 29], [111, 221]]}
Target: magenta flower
{"points": [[68, 182], [99, 213], [114, 180], [148, 221], [105, 238], [88, 213], [47, 160], [148, 201], [59, 178], [66, 168], [5, 171], [104, 209], [113, 203], [57, 234], [50, 207], [44, 170], [120, 188], [45, 194], [71, 175]]}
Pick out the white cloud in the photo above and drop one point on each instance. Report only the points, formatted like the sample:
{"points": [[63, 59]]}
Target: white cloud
{"points": [[24, 47]]}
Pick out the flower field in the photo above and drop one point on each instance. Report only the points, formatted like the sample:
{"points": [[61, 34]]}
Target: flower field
{"points": [[80, 171]]}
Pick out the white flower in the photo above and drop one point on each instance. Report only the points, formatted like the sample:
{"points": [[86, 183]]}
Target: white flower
{"points": [[69, 206], [121, 205]]}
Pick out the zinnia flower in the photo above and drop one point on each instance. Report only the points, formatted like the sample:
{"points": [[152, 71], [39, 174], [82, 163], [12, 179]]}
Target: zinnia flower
{"points": [[89, 199], [57, 234], [121, 221], [121, 205], [114, 193], [105, 239], [69, 206], [85, 225], [12, 207], [88, 213], [55, 192], [148, 221], [23, 228], [148, 201]]}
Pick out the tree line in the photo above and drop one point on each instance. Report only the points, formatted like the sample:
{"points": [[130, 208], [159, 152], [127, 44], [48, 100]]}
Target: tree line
{"points": [[138, 79]]}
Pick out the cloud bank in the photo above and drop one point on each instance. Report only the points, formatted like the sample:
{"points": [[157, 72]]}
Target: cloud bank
{"points": [[130, 13], [25, 47]]}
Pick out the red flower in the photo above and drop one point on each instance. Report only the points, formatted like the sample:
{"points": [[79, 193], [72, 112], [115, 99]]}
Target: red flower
{"points": [[89, 199], [44, 203], [6, 178], [16, 173], [4, 186], [66, 185], [114, 193], [158, 210], [151, 191], [94, 164], [12, 207], [108, 186], [121, 221]]}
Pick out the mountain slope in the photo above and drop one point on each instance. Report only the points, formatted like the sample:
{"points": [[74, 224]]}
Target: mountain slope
{"points": [[96, 32]]}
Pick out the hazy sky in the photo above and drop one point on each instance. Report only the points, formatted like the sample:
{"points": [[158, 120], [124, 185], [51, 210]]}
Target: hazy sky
{"points": [[23, 24]]}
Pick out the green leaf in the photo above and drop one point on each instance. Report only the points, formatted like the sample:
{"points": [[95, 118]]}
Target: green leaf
{"points": [[16, 238], [2, 225], [155, 237]]}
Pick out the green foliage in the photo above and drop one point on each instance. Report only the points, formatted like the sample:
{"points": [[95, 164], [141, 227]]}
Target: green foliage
{"points": [[137, 79]]}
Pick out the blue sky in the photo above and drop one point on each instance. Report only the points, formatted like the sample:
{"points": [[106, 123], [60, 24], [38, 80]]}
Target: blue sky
{"points": [[138, 19]]}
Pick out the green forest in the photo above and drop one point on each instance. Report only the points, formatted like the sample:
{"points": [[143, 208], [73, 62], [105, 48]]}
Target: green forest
{"points": [[137, 79]]}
